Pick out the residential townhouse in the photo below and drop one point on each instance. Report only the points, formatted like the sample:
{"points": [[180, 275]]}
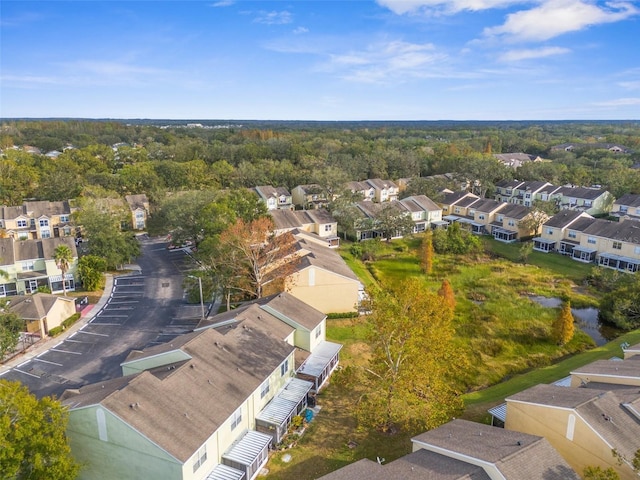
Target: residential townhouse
{"points": [[29, 264], [275, 197], [37, 219], [479, 213], [463, 450], [361, 188], [207, 405], [610, 244], [42, 311], [322, 279], [585, 425], [424, 212], [593, 201], [515, 160], [318, 222], [627, 207], [509, 224], [456, 203], [139, 207], [383, 190], [308, 197]]}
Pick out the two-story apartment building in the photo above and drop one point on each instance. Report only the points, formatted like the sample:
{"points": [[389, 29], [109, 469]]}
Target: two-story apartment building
{"points": [[208, 404], [275, 197], [318, 221], [593, 422], [627, 207], [139, 207], [424, 212], [383, 190], [29, 264], [308, 197], [463, 450], [521, 193], [611, 244], [37, 219]]}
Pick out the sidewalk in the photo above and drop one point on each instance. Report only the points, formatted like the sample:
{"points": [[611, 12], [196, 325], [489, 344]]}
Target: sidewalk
{"points": [[49, 342]]}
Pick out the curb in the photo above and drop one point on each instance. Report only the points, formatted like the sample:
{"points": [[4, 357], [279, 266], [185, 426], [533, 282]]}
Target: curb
{"points": [[49, 342]]}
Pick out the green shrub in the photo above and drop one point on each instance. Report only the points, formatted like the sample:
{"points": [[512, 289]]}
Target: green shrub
{"points": [[71, 320], [334, 316], [55, 331]]}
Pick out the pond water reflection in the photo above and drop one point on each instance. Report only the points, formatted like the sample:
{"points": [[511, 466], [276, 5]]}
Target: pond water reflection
{"points": [[586, 319]]}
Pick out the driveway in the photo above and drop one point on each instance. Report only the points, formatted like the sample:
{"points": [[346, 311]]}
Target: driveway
{"points": [[144, 308]]}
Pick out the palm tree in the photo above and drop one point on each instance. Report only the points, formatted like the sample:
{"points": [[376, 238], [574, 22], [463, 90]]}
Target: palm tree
{"points": [[63, 257]]}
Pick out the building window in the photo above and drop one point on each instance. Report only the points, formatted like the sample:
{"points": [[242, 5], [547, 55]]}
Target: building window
{"points": [[617, 245], [284, 368], [481, 217], [471, 212], [327, 228], [509, 192], [3, 291], [500, 218], [44, 222], [45, 233], [200, 458], [572, 234], [23, 235], [236, 418], [264, 388], [588, 203], [21, 223], [549, 231], [28, 266], [511, 223], [623, 209], [591, 240], [457, 210], [318, 331], [636, 250], [64, 218]]}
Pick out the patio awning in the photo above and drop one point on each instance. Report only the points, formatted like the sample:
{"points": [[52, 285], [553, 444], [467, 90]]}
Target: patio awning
{"points": [[500, 412], [504, 231], [579, 248], [544, 240], [282, 405], [451, 218], [223, 472], [58, 278], [439, 222], [315, 363], [246, 450], [570, 242], [620, 258]]}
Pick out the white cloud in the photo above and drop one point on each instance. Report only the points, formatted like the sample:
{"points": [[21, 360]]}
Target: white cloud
{"points": [[402, 7], [386, 62], [633, 85], [223, 3], [528, 54], [556, 17], [300, 30], [620, 102], [274, 18]]}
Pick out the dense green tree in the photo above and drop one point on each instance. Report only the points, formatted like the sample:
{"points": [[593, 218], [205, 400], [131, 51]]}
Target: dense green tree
{"points": [[426, 252], [10, 327], [33, 444], [598, 473], [456, 240], [90, 270], [391, 222], [408, 377], [621, 306]]}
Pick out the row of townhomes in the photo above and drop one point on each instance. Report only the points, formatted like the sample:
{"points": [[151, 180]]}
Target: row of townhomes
{"points": [[550, 432], [577, 234], [209, 404], [30, 234], [592, 417], [593, 201]]}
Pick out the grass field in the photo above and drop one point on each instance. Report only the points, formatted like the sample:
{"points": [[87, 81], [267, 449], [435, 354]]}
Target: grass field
{"points": [[503, 333]]}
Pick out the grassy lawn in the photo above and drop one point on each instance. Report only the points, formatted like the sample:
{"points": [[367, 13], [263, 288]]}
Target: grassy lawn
{"points": [[503, 333]]}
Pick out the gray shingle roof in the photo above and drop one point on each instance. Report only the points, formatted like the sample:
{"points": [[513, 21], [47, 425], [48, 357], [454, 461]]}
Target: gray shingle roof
{"points": [[622, 231], [564, 218], [630, 200], [515, 211], [43, 207], [171, 410]]}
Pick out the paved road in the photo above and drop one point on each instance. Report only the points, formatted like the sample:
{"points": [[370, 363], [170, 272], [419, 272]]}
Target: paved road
{"points": [[144, 308]]}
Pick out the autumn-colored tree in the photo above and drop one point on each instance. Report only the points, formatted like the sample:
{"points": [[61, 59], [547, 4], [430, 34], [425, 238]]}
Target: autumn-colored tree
{"points": [[33, 443], [409, 382], [426, 253], [248, 255], [446, 292], [10, 327], [563, 327]]}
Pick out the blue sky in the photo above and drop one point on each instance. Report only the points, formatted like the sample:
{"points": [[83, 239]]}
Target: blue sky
{"points": [[321, 60]]}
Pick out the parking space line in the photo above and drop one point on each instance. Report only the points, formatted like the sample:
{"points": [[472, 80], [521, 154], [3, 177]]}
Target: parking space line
{"points": [[108, 325], [65, 351], [26, 373], [23, 363], [75, 341], [91, 333], [47, 361]]}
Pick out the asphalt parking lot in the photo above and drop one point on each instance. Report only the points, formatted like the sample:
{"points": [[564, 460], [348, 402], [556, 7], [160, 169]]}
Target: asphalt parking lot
{"points": [[144, 308]]}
